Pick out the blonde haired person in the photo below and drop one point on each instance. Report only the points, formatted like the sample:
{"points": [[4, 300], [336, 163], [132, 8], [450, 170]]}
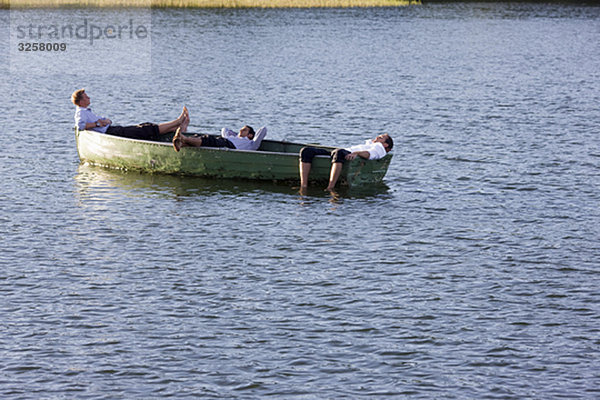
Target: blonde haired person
{"points": [[85, 118]]}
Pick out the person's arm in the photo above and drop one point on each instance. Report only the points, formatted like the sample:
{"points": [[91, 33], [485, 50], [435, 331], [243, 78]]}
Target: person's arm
{"points": [[99, 123], [374, 153], [226, 132], [362, 154], [80, 120], [85, 119], [258, 138]]}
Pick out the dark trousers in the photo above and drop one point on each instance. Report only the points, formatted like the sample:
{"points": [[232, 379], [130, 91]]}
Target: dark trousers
{"points": [[216, 141], [145, 131], [308, 153]]}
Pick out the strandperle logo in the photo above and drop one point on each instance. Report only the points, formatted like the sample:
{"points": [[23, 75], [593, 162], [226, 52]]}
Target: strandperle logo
{"points": [[100, 41], [85, 30]]}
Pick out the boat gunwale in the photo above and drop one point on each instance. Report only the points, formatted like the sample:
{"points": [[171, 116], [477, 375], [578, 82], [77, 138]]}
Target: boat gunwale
{"points": [[159, 143]]}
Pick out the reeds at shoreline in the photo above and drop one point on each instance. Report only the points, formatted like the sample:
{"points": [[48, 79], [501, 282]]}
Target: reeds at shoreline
{"points": [[203, 3]]}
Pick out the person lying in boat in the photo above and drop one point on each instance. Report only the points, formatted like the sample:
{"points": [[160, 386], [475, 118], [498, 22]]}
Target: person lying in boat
{"points": [[86, 119], [370, 150], [246, 139]]}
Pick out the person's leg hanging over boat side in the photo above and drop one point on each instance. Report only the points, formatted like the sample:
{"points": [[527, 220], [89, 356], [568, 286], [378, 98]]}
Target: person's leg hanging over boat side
{"points": [[334, 174], [306, 156]]}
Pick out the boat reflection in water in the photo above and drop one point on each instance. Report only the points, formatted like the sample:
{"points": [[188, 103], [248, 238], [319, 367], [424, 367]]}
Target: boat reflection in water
{"points": [[98, 183]]}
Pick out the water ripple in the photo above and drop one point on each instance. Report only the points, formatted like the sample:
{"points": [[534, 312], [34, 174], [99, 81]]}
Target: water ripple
{"points": [[471, 273]]}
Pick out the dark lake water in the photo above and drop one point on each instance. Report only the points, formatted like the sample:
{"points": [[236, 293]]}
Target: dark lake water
{"points": [[472, 273]]}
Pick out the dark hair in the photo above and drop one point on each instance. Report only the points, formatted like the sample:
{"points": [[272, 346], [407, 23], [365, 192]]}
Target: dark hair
{"points": [[251, 131], [76, 96], [390, 143]]}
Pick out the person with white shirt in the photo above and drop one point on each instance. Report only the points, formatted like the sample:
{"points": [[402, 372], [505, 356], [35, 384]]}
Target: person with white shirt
{"points": [[246, 139], [85, 118], [372, 149]]}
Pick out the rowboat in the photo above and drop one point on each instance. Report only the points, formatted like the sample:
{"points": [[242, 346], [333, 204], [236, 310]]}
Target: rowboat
{"points": [[273, 161]]}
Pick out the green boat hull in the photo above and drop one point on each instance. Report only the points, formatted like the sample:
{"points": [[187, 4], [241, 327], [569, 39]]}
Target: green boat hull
{"points": [[274, 161]]}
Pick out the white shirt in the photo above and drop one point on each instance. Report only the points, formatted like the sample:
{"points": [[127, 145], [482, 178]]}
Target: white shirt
{"points": [[84, 116], [243, 143], [376, 150]]}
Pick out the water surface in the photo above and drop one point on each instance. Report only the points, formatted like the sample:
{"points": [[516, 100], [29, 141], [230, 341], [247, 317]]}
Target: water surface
{"points": [[471, 273]]}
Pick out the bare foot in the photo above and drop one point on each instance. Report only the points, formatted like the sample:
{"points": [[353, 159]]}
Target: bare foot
{"points": [[181, 117], [177, 140], [184, 125]]}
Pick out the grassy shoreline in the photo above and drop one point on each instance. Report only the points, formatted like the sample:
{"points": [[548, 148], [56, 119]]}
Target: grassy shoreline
{"points": [[203, 3]]}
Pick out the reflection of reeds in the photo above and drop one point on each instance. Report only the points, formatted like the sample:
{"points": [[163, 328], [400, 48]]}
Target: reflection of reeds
{"points": [[204, 3]]}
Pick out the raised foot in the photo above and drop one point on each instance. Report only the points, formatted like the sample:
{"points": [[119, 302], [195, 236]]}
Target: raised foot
{"points": [[183, 115], [184, 125], [177, 140]]}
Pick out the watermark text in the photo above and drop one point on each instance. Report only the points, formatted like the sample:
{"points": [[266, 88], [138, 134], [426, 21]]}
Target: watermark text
{"points": [[82, 31]]}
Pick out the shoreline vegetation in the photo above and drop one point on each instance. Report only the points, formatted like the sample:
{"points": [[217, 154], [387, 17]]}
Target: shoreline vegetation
{"points": [[23, 4]]}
